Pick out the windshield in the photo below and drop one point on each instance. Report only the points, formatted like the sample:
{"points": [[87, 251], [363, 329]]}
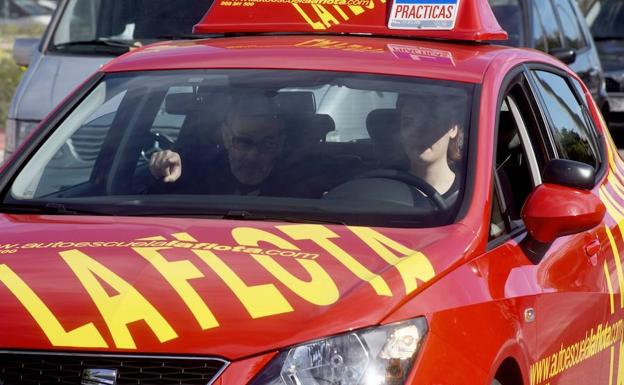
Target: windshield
{"points": [[606, 19], [127, 20], [258, 144]]}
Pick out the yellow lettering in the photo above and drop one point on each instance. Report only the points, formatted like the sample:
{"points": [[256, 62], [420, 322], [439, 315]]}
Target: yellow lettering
{"points": [[177, 274], [411, 264], [341, 12], [326, 17], [121, 309], [356, 9], [320, 289], [321, 235], [259, 300], [85, 336], [314, 24]]}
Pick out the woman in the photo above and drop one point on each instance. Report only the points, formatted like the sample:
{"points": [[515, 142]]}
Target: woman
{"points": [[431, 134]]}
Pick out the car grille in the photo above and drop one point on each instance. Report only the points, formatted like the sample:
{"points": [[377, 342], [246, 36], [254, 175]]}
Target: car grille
{"points": [[43, 369], [613, 85]]}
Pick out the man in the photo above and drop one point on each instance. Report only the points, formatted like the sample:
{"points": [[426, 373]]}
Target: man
{"points": [[253, 138]]}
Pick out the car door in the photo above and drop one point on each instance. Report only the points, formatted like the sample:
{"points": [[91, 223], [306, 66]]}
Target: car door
{"points": [[518, 161], [575, 272]]}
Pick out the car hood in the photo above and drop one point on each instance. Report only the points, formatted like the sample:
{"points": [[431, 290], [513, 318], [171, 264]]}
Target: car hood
{"points": [[611, 54], [51, 79], [197, 286]]}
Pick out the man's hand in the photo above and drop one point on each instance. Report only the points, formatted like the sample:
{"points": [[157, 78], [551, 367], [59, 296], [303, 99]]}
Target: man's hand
{"points": [[166, 165]]}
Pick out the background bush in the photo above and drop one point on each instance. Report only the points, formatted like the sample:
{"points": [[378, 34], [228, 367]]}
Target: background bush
{"points": [[11, 73]]}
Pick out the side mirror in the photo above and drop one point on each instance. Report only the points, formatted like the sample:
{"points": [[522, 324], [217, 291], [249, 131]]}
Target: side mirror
{"points": [[566, 55], [552, 211], [23, 50], [561, 206]]}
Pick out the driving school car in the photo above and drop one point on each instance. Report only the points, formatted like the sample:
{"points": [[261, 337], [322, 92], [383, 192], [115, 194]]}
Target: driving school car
{"points": [[390, 201]]}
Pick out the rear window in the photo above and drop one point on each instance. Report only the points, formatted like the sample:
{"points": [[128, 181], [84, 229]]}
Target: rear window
{"points": [[321, 146]]}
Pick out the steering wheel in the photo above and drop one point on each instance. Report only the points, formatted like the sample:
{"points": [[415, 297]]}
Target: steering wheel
{"points": [[412, 180]]}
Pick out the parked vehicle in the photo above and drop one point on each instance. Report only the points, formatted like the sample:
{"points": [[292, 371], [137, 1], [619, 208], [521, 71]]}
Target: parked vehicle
{"points": [[558, 28], [606, 21], [20, 11], [391, 201], [83, 35]]}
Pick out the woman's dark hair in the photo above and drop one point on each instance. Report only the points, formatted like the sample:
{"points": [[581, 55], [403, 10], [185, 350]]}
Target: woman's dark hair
{"points": [[445, 111]]}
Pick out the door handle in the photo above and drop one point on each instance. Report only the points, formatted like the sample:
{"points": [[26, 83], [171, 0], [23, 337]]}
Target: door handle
{"points": [[592, 248]]}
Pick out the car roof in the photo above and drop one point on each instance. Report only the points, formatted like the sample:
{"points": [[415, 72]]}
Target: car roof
{"points": [[456, 61]]}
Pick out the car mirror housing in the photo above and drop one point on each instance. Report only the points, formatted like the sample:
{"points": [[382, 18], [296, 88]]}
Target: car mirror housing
{"points": [[552, 211], [566, 55], [569, 173], [563, 205], [23, 50]]}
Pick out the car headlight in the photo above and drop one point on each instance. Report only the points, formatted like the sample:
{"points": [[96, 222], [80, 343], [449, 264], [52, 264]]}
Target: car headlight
{"points": [[375, 356], [16, 131]]}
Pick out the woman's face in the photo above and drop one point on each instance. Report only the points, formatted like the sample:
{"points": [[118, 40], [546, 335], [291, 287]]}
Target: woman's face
{"points": [[423, 139]]}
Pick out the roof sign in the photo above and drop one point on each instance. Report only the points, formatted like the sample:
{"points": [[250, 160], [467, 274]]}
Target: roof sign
{"points": [[442, 19], [423, 14]]}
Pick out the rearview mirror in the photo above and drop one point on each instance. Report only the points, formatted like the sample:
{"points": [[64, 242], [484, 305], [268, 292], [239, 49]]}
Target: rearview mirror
{"points": [[566, 55], [23, 50]]}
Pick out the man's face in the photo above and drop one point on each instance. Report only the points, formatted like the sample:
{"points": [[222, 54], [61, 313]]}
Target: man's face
{"points": [[424, 139], [253, 145]]}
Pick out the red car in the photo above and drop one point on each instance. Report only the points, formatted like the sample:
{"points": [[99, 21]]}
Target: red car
{"points": [[323, 193]]}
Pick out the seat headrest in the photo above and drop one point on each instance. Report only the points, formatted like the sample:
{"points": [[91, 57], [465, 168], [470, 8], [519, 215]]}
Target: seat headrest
{"points": [[318, 126], [180, 104], [382, 124], [296, 102]]}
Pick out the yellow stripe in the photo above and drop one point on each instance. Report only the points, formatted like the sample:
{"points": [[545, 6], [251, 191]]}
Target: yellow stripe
{"points": [[618, 265], [611, 365], [616, 184], [610, 287], [184, 237], [610, 209], [614, 201], [616, 173]]}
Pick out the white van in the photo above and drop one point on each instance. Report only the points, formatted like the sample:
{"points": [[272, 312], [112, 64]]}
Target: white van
{"points": [[83, 35]]}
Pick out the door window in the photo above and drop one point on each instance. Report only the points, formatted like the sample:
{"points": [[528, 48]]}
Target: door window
{"points": [[572, 34], [509, 15], [544, 11], [517, 167], [539, 37], [568, 122]]}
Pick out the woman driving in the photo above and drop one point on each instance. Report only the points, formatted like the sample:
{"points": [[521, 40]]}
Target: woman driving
{"points": [[431, 133]]}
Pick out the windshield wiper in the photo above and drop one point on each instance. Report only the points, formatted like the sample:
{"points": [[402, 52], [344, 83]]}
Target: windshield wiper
{"points": [[98, 43], [48, 208], [247, 216], [239, 215]]}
